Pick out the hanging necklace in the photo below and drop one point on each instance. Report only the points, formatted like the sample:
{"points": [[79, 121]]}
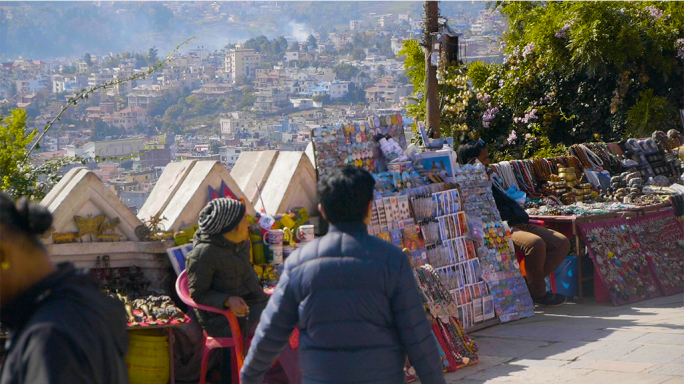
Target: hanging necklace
{"points": [[507, 174]]}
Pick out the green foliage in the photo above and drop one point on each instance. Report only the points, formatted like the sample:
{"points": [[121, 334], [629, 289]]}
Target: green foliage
{"points": [[140, 61], [572, 72], [13, 143], [102, 130], [152, 58], [18, 178], [193, 111], [158, 106], [355, 95], [650, 113], [88, 59], [358, 54], [160, 17], [214, 147], [311, 42], [262, 44], [345, 71], [384, 46], [68, 70], [325, 99], [247, 100], [479, 72], [112, 61], [589, 61], [414, 64]]}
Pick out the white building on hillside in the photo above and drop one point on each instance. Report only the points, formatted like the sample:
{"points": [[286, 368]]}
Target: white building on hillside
{"points": [[229, 156], [242, 63], [336, 89], [142, 95], [234, 122], [111, 148]]}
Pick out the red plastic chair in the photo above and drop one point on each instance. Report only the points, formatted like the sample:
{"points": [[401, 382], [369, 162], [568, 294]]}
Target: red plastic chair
{"points": [[209, 343], [520, 256]]}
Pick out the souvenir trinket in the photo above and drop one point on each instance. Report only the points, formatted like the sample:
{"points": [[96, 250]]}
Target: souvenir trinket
{"points": [[619, 261]]}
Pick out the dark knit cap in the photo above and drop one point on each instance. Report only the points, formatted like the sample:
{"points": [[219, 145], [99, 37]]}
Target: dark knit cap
{"points": [[221, 216]]}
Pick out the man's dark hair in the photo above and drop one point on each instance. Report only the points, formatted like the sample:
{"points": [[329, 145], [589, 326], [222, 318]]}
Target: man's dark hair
{"points": [[469, 151], [345, 193]]}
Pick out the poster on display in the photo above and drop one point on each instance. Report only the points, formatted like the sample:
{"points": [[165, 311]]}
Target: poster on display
{"points": [[496, 262], [439, 165], [177, 257]]}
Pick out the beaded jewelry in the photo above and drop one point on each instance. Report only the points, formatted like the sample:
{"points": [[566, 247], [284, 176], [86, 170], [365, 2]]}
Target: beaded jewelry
{"points": [[506, 173], [542, 169], [594, 161]]}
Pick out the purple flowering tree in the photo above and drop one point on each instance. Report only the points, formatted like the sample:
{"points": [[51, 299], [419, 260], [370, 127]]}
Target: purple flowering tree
{"points": [[573, 71]]}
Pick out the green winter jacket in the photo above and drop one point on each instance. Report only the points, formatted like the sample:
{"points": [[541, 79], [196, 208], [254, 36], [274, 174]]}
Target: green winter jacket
{"points": [[218, 269]]}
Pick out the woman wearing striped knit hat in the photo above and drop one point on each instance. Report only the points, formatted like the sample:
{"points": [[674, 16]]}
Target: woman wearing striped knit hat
{"points": [[220, 274]]}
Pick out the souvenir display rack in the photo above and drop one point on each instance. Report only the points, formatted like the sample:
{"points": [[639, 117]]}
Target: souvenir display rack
{"points": [[476, 192], [459, 349], [395, 219], [619, 261], [499, 267], [444, 229], [370, 144], [661, 238], [435, 231]]}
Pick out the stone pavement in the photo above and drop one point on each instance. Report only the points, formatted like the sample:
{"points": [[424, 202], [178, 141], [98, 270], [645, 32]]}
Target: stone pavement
{"points": [[584, 343]]}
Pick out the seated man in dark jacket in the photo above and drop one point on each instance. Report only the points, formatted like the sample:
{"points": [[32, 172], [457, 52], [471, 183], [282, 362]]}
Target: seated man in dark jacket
{"points": [[354, 298], [544, 249]]}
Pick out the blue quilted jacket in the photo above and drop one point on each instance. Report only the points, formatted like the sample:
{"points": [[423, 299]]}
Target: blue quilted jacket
{"points": [[356, 303]]}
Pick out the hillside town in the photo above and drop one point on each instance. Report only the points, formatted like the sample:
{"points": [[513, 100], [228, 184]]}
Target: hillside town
{"points": [[341, 192], [252, 97]]}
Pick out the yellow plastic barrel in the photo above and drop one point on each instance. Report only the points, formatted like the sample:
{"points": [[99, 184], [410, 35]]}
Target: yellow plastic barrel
{"points": [[148, 357]]}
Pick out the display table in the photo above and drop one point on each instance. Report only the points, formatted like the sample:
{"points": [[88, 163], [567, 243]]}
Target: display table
{"points": [[641, 211], [568, 226]]}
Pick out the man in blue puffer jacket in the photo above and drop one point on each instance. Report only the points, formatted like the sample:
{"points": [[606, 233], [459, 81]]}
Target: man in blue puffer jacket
{"points": [[353, 297]]}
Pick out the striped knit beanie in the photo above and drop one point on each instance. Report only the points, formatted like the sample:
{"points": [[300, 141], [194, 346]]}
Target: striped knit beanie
{"points": [[221, 216]]}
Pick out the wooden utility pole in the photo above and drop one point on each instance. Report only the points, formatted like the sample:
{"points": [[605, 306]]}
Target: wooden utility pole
{"points": [[431, 87]]}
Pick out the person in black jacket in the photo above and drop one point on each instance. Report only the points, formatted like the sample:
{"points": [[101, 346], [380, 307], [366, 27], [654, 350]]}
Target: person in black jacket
{"points": [[544, 249], [353, 297], [62, 329]]}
